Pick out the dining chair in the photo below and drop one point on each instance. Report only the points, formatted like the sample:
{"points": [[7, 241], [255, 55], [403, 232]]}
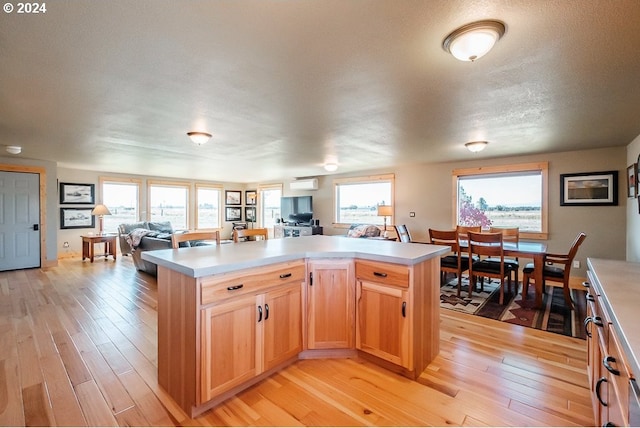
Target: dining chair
{"points": [[247, 234], [509, 234], [455, 262], [403, 233], [557, 268], [485, 245], [463, 230], [177, 238]]}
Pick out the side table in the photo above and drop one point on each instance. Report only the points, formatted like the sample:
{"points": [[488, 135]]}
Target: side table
{"points": [[88, 242]]}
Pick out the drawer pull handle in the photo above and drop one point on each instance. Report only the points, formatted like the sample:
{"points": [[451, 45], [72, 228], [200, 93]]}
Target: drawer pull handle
{"points": [[606, 363], [587, 320], [590, 297], [235, 287], [285, 275], [586, 284], [598, 384], [259, 313], [266, 309], [380, 274], [598, 321], [404, 309]]}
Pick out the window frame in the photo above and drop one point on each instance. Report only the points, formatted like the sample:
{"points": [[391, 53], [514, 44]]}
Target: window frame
{"points": [[123, 181], [196, 209], [363, 180], [179, 184], [260, 203], [541, 167]]}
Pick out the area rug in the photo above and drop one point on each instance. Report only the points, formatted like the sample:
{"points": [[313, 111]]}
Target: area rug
{"points": [[553, 316]]}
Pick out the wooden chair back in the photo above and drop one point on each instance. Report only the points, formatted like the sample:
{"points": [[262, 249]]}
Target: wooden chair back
{"points": [[177, 238], [445, 237], [488, 246], [241, 234], [509, 234], [463, 230], [403, 233]]}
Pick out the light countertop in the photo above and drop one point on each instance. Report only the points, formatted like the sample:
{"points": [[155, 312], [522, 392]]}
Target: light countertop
{"points": [[209, 260], [620, 285]]}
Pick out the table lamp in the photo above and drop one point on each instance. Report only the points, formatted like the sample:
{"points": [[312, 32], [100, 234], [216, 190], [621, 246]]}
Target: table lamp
{"points": [[384, 211], [101, 211]]}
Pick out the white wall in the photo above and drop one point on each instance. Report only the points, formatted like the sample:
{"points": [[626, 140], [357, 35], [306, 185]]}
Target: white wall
{"points": [[633, 213]]}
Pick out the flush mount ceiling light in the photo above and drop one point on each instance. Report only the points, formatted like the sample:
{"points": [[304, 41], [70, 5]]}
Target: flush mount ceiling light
{"points": [[14, 150], [330, 167], [473, 41], [476, 146], [199, 138]]}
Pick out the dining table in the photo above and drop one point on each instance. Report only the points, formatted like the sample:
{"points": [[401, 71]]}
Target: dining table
{"points": [[526, 249]]}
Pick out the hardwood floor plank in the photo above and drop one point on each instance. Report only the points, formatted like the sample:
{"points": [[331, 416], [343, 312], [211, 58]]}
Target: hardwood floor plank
{"points": [[36, 406], [65, 405], [145, 399], [93, 405], [11, 400]]}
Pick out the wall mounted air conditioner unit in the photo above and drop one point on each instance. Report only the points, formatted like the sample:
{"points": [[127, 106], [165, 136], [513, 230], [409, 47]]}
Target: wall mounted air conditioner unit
{"points": [[304, 184]]}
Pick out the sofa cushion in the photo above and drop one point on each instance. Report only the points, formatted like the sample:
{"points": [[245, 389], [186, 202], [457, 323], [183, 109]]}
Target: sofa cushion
{"points": [[125, 228], [363, 231], [160, 226]]}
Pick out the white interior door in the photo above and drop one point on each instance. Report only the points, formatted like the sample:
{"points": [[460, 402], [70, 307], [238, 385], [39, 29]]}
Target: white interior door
{"points": [[19, 220]]}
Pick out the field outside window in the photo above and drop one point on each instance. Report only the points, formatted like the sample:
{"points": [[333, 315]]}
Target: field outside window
{"points": [[357, 199]]}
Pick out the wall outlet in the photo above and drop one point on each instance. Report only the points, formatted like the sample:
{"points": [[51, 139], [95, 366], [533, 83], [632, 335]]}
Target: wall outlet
{"points": [[66, 244], [576, 263], [412, 214]]}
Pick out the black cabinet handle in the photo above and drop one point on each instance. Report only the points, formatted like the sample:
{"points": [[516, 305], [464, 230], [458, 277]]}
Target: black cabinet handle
{"points": [[310, 279], [606, 363], [235, 287], [609, 424], [590, 298], [598, 321], [586, 284], [598, 385], [266, 310], [285, 275], [404, 309], [380, 274], [587, 320], [259, 313]]}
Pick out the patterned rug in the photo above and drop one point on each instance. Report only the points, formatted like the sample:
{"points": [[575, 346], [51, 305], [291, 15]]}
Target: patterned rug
{"points": [[553, 316]]}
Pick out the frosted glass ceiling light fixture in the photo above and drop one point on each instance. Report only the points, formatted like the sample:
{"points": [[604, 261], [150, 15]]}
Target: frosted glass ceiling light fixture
{"points": [[330, 167], [199, 138], [14, 150], [476, 146], [473, 41]]}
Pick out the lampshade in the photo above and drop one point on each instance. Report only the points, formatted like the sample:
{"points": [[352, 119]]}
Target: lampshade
{"points": [[385, 210], [476, 146], [473, 41], [199, 138], [100, 210]]}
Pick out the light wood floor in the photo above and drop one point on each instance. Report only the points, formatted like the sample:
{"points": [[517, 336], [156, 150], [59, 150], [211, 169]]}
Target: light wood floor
{"points": [[78, 347]]}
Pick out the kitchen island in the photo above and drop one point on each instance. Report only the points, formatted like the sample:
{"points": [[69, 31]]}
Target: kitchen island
{"points": [[231, 315]]}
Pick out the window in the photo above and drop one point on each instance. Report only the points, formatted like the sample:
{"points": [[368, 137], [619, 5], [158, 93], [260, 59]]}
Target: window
{"points": [[122, 199], [208, 204], [168, 202], [356, 199], [269, 205], [506, 196]]}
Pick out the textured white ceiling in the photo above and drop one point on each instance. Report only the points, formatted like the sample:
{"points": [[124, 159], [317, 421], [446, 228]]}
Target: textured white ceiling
{"points": [[285, 86]]}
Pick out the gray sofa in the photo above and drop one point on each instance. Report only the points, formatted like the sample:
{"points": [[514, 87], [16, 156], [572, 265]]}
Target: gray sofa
{"points": [[138, 237]]}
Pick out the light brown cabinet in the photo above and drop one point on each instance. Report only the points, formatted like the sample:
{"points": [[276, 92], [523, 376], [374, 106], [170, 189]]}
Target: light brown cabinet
{"points": [[330, 304], [607, 366]]}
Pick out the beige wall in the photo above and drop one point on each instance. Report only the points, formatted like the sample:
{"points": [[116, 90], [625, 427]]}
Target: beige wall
{"points": [[426, 189], [633, 215]]}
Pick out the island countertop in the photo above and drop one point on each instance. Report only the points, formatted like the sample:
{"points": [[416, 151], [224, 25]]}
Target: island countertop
{"points": [[202, 261]]}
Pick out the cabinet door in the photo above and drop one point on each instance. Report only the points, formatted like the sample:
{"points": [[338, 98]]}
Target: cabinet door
{"points": [[282, 324], [228, 346], [330, 304], [383, 322]]}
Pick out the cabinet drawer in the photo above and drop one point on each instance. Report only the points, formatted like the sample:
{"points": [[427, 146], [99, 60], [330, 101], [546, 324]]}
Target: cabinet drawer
{"points": [[383, 273], [220, 287]]}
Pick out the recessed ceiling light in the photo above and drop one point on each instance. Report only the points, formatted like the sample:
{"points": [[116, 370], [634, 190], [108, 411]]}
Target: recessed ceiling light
{"points": [[14, 150], [330, 167], [473, 41], [476, 146]]}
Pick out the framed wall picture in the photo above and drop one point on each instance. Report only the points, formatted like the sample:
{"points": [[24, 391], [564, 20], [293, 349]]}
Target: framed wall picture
{"points": [[233, 214], [233, 197], [250, 197], [76, 193], [76, 218], [589, 188], [632, 181], [250, 214]]}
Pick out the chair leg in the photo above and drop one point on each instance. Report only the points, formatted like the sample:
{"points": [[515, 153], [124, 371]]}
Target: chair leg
{"points": [[525, 286], [567, 296], [459, 285]]}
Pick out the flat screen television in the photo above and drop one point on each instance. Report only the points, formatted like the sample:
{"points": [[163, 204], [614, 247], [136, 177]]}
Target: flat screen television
{"points": [[296, 210]]}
